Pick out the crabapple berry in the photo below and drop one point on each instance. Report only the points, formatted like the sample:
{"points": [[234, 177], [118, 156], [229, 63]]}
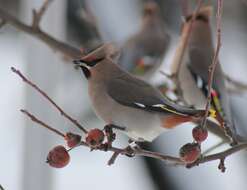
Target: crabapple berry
{"points": [[58, 157], [190, 152]]}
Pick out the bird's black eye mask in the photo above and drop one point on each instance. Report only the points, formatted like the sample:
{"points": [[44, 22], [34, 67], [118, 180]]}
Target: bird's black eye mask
{"points": [[86, 72], [85, 65]]}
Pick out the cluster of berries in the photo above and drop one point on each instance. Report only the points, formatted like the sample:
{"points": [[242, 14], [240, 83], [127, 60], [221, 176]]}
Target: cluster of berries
{"points": [[190, 152], [59, 156]]}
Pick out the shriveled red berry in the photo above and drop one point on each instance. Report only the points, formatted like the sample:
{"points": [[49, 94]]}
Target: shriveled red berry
{"points": [[58, 157], [199, 134], [72, 139], [95, 137], [190, 152]]}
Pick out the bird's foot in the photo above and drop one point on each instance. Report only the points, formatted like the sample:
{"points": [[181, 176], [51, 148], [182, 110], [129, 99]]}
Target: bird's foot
{"points": [[110, 135], [105, 146], [130, 149], [134, 145]]}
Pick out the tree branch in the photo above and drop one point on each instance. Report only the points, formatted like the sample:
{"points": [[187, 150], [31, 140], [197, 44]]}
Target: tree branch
{"points": [[34, 86], [113, 158], [213, 65], [53, 43], [1, 187], [219, 156], [34, 119], [214, 147], [37, 15], [180, 51], [140, 152]]}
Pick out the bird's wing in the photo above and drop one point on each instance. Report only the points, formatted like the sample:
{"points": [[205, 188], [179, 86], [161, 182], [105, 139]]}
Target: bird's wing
{"points": [[130, 91]]}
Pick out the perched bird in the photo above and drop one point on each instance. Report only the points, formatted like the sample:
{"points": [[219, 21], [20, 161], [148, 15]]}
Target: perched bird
{"points": [[143, 51], [193, 72], [123, 100]]}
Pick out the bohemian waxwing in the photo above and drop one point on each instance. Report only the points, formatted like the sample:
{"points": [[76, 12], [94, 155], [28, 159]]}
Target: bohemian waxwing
{"points": [[142, 53], [125, 101], [193, 73]]}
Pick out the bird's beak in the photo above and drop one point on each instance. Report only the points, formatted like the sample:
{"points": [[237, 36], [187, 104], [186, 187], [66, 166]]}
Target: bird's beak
{"points": [[80, 63]]}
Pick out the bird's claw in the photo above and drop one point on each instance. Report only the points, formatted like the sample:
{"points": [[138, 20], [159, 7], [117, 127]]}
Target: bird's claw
{"points": [[106, 146], [129, 151], [110, 135]]}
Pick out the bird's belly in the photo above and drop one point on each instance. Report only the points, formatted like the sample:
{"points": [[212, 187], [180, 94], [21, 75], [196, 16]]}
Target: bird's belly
{"points": [[140, 125]]}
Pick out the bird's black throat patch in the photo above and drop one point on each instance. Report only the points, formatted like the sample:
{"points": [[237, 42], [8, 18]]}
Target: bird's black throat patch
{"points": [[86, 72]]}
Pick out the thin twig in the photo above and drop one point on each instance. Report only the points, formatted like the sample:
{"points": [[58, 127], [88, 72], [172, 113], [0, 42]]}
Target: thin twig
{"points": [[213, 147], [212, 67], [184, 41], [37, 15], [220, 155], [1, 187], [34, 86], [36, 120], [113, 158], [65, 49]]}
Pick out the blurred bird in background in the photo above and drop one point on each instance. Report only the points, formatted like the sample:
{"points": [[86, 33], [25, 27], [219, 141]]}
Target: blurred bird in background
{"points": [[193, 72], [80, 16], [142, 53]]}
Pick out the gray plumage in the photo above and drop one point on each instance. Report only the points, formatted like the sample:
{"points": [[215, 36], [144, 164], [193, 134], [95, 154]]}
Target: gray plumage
{"points": [[141, 92]]}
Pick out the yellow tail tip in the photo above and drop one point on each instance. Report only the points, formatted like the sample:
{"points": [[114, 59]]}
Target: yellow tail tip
{"points": [[212, 113]]}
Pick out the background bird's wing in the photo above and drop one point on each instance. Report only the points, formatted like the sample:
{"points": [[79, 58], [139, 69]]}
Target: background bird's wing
{"points": [[221, 101], [200, 72], [130, 91]]}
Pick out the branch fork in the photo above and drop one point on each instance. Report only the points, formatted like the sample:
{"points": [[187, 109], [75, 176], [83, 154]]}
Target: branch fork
{"points": [[38, 14]]}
